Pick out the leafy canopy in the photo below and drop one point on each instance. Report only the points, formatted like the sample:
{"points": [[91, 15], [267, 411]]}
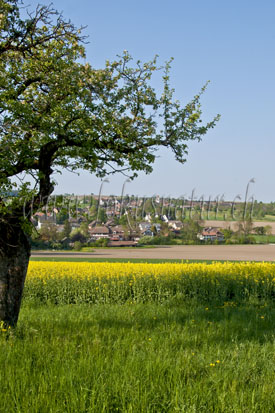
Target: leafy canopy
{"points": [[57, 111]]}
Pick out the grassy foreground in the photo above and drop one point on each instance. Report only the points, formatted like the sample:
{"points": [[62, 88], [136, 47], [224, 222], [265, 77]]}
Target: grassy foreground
{"points": [[171, 357]]}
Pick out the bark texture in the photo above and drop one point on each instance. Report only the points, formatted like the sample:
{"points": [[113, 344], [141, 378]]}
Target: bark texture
{"points": [[14, 259]]}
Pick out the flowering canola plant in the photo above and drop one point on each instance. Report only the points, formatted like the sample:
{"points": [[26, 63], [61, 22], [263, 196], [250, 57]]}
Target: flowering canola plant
{"points": [[72, 282]]}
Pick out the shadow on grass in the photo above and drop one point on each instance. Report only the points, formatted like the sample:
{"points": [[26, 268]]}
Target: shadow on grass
{"points": [[225, 323], [221, 323]]}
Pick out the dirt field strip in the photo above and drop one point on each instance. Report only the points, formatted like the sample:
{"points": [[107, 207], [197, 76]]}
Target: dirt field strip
{"points": [[185, 252], [234, 224]]}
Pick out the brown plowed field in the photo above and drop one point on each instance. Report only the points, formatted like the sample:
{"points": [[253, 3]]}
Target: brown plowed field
{"points": [[234, 225], [192, 252]]}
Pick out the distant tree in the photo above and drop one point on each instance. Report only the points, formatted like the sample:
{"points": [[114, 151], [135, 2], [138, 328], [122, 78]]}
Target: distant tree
{"points": [[77, 245], [67, 229], [62, 216], [129, 231], [227, 232], [245, 227], [263, 230], [190, 230], [77, 235], [164, 229], [93, 212], [268, 229], [259, 230], [123, 220], [102, 217], [146, 240], [48, 233], [154, 230], [84, 229], [102, 242]]}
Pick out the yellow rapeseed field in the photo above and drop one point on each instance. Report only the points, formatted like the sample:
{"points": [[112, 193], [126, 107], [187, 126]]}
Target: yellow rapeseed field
{"points": [[69, 282]]}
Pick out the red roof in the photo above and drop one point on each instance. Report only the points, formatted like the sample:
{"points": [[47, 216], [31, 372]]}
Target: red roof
{"points": [[211, 231]]}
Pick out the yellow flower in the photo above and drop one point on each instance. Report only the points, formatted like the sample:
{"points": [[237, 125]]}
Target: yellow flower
{"points": [[116, 279]]}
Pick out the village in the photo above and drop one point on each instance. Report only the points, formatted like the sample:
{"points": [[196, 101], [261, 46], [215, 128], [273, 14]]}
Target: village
{"points": [[113, 222], [85, 221]]}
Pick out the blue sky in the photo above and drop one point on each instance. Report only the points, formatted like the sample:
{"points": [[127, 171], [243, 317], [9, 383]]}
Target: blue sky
{"points": [[232, 44]]}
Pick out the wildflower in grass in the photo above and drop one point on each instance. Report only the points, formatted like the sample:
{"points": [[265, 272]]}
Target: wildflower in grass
{"points": [[262, 317], [212, 364], [3, 328], [217, 361]]}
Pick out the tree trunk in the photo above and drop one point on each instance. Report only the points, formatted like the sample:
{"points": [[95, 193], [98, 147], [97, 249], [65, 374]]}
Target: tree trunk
{"points": [[14, 259]]}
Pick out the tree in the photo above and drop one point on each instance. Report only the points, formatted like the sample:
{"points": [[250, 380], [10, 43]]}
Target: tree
{"points": [[102, 217], [227, 232], [259, 230], [77, 236], [190, 230], [263, 230], [59, 112], [243, 235], [66, 230], [48, 233], [164, 229]]}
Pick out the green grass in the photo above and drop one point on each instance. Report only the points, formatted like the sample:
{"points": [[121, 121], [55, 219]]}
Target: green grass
{"points": [[134, 260], [264, 239], [175, 357], [266, 218]]}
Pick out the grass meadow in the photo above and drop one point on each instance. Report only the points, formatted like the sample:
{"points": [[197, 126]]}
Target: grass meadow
{"points": [[178, 348]]}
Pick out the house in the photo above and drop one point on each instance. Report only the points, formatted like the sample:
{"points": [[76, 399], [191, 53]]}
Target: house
{"points": [[211, 234], [146, 228], [177, 225], [157, 226], [44, 219], [144, 225], [109, 223], [117, 233], [147, 232], [75, 222], [100, 232], [92, 224]]}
